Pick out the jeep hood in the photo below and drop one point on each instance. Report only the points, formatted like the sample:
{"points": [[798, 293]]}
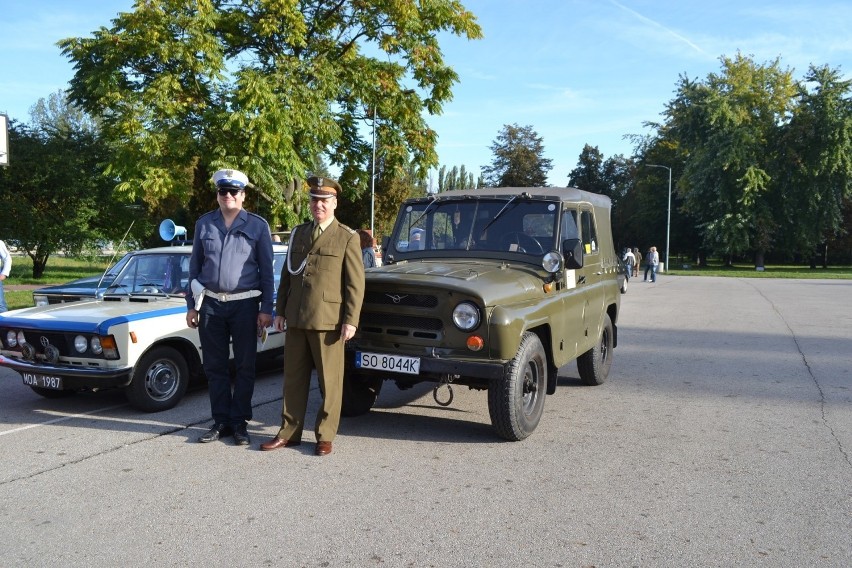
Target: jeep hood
{"points": [[495, 282]]}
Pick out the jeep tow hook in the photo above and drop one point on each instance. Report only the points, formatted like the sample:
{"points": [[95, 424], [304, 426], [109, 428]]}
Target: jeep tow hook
{"points": [[444, 382]]}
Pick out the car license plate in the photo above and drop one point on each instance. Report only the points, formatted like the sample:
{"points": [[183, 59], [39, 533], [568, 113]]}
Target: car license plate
{"points": [[384, 362], [42, 381]]}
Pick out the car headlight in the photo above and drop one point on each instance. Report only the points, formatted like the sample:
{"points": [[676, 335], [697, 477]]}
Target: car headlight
{"points": [[80, 344], [40, 300], [95, 344], [466, 316], [11, 339], [20, 338]]}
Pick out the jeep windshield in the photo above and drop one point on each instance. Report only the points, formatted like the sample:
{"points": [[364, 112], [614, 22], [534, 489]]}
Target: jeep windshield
{"points": [[153, 274], [476, 227]]}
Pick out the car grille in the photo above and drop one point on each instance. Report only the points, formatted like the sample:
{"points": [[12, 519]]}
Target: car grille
{"points": [[401, 315], [408, 300]]}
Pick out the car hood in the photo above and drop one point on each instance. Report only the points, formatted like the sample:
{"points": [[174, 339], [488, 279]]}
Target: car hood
{"points": [[93, 316], [495, 282]]}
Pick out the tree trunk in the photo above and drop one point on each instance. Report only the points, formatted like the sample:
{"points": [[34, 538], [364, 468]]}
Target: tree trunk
{"points": [[759, 259]]}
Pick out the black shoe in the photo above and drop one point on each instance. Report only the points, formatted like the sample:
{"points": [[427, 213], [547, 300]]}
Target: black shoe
{"points": [[241, 437], [216, 432]]}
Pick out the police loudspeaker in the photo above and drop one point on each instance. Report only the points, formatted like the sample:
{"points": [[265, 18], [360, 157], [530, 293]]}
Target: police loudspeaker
{"points": [[168, 230]]}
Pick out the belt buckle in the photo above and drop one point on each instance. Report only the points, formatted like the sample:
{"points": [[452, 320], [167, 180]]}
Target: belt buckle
{"points": [[223, 297]]}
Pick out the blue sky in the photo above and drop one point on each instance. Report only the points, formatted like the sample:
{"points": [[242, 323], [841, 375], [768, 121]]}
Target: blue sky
{"points": [[577, 71]]}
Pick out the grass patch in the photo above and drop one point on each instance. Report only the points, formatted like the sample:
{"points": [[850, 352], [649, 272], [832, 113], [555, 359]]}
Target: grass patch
{"points": [[59, 269], [769, 271]]}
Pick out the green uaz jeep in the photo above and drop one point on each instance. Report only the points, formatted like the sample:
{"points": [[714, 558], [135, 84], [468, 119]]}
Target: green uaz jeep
{"points": [[494, 289]]}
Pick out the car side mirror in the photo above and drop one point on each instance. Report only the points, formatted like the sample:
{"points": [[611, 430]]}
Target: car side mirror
{"points": [[572, 250]]}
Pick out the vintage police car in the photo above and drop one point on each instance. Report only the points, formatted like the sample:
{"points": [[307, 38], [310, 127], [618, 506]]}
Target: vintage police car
{"points": [[134, 337]]}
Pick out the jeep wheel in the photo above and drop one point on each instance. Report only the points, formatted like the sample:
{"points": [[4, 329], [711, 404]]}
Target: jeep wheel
{"points": [[595, 363], [624, 285], [359, 394], [51, 393], [159, 380], [516, 402]]}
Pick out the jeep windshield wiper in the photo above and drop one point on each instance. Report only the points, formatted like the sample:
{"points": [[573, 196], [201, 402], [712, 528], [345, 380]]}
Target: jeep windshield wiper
{"points": [[500, 213]]}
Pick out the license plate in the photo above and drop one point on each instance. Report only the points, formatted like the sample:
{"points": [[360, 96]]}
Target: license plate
{"points": [[42, 381], [384, 362]]}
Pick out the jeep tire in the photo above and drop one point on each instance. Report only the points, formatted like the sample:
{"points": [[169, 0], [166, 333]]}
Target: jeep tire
{"points": [[595, 363], [359, 394], [516, 401], [160, 379]]}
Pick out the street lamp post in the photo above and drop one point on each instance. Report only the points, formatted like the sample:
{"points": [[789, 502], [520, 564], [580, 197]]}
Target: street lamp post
{"points": [[373, 182], [669, 216]]}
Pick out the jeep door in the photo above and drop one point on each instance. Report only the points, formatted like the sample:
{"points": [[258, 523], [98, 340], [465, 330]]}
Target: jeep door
{"points": [[594, 293]]}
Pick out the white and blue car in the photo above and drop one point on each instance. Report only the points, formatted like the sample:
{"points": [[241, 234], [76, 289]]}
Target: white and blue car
{"points": [[134, 337]]}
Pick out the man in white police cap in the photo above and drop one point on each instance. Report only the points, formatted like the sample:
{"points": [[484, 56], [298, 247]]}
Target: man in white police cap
{"points": [[232, 283]]}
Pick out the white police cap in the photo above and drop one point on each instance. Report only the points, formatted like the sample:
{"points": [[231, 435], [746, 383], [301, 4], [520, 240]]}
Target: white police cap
{"points": [[230, 178]]}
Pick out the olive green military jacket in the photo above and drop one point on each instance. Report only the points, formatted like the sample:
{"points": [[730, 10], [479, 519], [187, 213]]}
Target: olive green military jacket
{"points": [[328, 291]]}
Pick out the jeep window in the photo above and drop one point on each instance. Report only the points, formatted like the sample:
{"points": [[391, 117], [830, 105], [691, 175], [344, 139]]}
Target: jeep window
{"points": [[590, 238], [524, 226]]}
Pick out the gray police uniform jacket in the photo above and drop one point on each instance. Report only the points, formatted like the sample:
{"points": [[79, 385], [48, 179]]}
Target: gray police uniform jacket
{"points": [[329, 290]]}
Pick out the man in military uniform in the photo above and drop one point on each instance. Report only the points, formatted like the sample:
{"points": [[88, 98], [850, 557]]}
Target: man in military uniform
{"points": [[319, 299]]}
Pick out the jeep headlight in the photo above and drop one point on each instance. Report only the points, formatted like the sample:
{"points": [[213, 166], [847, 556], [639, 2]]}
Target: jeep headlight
{"points": [[11, 338], [466, 316], [81, 344], [552, 262]]}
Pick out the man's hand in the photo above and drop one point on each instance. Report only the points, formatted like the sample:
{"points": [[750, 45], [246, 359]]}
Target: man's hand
{"points": [[280, 323], [192, 318], [347, 332], [264, 320]]}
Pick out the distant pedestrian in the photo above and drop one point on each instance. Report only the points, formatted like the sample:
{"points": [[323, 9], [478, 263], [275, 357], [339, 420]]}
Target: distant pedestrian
{"points": [[651, 262], [368, 253], [638, 256], [629, 261], [5, 267]]}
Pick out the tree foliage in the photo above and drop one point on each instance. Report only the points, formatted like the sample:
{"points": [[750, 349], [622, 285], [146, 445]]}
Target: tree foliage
{"points": [[518, 159], [55, 196], [265, 86]]}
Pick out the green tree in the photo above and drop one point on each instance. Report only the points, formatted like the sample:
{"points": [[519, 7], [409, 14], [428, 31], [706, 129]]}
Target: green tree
{"points": [[815, 162], [55, 195], [518, 159], [728, 125], [264, 86]]}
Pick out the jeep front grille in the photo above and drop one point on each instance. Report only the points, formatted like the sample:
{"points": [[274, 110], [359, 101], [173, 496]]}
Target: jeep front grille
{"points": [[401, 325], [407, 300]]}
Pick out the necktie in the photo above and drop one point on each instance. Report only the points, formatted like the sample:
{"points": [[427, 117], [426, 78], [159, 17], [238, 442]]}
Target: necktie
{"points": [[316, 232]]}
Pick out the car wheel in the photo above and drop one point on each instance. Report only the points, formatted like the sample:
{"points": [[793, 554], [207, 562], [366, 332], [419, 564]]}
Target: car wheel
{"points": [[624, 286], [516, 401], [359, 394], [595, 363], [159, 380], [51, 393]]}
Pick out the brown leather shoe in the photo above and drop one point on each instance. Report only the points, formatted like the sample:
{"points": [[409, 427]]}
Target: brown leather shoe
{"points": [[276, 443], [323, 448]]}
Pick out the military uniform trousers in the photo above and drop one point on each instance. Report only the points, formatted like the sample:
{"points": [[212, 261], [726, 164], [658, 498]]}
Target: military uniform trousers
{"points": [[305, 350]]}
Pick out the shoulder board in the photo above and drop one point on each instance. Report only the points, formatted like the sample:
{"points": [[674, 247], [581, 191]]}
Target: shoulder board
{"points": [[345, 228]]}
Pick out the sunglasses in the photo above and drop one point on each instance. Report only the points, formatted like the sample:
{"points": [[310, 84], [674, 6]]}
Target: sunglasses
{"points": [[224, 191]]}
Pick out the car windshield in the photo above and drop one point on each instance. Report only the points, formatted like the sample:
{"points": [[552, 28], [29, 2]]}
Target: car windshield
{"points": [[516, 225], [153, 274]]}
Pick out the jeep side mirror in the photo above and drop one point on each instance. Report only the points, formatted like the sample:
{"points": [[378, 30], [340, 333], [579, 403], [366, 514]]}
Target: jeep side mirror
{"points": [[572, 250]]}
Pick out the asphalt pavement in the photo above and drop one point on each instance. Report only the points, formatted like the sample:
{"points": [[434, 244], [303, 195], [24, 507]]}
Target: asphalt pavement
{"points": [[723, 437]]}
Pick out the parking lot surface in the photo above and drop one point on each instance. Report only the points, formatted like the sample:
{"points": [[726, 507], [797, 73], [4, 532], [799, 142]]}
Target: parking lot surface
{"points": [[723, 437]]}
